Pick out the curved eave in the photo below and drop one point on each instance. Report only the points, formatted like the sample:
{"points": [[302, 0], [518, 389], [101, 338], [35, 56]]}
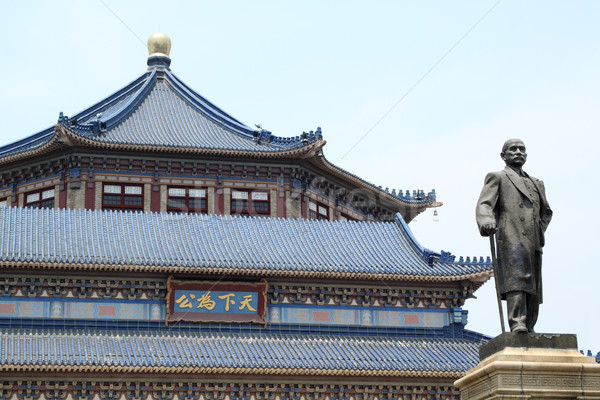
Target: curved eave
{"points": [[299, 152], [54, 142], [478, 276], [30, 142], [402, 205], [112, 369], [65, 137]]}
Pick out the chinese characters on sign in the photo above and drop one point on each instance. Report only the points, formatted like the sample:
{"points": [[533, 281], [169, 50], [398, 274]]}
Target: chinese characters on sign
{"points": [[209, 301], [216, 301]]}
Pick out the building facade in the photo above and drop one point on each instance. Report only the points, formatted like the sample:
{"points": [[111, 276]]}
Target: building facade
{"points": [[153, 246]]}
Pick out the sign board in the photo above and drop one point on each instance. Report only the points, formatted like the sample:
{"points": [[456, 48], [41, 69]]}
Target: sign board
{"points": [[206, 301]]}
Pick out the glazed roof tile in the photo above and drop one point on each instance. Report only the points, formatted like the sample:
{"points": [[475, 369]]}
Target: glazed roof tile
{"points": [[244, 351], [240, 245], [158, 109], [164, 112]]}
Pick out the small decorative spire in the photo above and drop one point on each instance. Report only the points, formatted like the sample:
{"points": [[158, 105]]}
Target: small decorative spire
{"points": [[159, 48], [159, 45]]}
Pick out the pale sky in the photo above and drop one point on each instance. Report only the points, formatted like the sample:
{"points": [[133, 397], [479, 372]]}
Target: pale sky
{"points": [[451, 80]]}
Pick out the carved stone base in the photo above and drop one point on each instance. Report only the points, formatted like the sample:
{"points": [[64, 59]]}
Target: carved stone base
{"points": [[532, 373]]}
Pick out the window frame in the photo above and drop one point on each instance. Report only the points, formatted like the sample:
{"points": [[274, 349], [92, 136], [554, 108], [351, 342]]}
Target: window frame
{"points": [[251, 202], [39, 203], [316, 213], [346, 217], [122, 206], [188, 209]]}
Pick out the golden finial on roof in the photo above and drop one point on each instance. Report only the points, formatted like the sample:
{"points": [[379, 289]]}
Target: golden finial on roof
{"points": [[159, 45]]}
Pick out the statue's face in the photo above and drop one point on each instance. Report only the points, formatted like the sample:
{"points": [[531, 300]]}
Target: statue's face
{"points": [[514, 154]]}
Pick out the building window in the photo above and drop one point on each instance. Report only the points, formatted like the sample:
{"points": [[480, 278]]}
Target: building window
{"points": [[122, 197], [346, 217], [4, 203], [40, 199], [317, 211], [186, 200], [250, 202]]}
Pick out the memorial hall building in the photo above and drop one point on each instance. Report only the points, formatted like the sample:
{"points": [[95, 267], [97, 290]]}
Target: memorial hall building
{"points": [[154, 247]]}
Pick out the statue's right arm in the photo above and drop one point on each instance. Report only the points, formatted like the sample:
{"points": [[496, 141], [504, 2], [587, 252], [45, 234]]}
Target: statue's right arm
{"points": [[486, 205]]}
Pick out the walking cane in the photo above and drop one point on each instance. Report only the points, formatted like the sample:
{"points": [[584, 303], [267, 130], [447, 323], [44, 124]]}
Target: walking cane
{"points": [[495, 265]]}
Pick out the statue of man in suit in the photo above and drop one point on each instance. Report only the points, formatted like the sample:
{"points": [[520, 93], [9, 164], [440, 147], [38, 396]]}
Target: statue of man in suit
{"points": [[514, 204]]}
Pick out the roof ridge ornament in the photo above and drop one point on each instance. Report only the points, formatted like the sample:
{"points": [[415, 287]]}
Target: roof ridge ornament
{"points": [[159, 48]]}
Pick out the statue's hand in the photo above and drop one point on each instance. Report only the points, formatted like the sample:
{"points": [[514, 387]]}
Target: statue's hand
{"points": [[489, 229]]}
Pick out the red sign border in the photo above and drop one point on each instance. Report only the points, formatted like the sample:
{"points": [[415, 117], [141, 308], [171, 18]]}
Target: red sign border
{"points": [[260, 317]]}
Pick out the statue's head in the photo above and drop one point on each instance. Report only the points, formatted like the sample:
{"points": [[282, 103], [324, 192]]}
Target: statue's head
{"points": [[514, 153]]}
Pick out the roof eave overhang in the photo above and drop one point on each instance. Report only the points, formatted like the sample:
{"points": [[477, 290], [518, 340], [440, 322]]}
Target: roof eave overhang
{"points": [[220, 371], [408, 210], [480, 276], [64, 137], [299, 152], [54, 143]]}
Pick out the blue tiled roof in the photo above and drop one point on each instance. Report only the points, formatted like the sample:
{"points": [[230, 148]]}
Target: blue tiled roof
{"points": [[158, 109], [244, 245], [228, 350]]}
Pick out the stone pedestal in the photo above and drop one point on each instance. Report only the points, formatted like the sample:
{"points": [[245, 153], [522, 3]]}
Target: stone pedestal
{"points": [[531, 366]]}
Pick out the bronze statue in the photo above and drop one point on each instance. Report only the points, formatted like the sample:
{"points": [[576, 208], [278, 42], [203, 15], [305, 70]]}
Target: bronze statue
{"points": [[514, 204]]}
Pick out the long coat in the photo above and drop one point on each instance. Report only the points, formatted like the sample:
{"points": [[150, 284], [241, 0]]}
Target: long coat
{"points": [[521, 225]]}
